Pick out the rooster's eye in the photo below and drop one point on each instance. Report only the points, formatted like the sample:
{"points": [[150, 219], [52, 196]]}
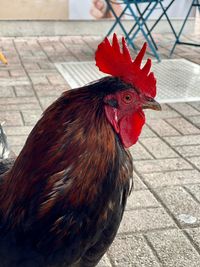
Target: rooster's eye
{"points": [[127, 98]]}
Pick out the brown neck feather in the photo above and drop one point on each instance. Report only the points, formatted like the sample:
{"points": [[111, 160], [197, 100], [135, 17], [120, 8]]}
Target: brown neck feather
{"points": [[73, 138]]}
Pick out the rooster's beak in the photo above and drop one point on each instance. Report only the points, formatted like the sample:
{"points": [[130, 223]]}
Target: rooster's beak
{"points": [[151, 104], [3, 59]]}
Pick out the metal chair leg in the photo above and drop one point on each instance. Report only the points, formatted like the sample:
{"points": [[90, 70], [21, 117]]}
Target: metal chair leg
{"points": [[145, 25], [134, 26], [181, 30], [164, 13], [140, 28], [117, 21]]}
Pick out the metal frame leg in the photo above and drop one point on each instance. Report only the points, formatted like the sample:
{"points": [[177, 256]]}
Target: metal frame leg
{"points": [[117, 21], [164, 13], [140, 28], [132, 29], [145, 25], [194, 3]]}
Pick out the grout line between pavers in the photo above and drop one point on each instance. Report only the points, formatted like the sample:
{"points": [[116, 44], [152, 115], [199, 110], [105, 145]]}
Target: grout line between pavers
{"points": [[183, 134], [151, 154], [171, 125], [183, 116], [193, 165], [191, 194], [71, 51], [143, 232], [156, 255], [169, 186], [193, 116], [146, 137], [136, 160], [165, 118], [24, 123], [167, 210], [157, 158], [191, 145], [180, 155], [46, 76], [15, 93], [31, 84], [142, 207], [191, 240], [189, 103], [166, 171], [93, 49], [49, 58], [111, 261]]}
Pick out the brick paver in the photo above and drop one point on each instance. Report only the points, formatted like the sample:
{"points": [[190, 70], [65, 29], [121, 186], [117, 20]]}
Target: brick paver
{"points": [[161, 225], [173, 249]]}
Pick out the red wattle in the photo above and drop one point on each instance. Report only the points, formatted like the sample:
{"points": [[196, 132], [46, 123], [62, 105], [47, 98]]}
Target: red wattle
{"points": [[130, 127]]}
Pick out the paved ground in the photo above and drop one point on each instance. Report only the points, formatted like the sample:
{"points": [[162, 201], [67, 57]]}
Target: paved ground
{"points": [[161, 225]]}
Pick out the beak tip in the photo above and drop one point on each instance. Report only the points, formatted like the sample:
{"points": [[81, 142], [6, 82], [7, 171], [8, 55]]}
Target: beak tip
{"points": [[159, 108], [152, 104]]}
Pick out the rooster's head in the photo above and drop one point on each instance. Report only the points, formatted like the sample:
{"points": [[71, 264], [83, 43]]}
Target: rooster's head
{"points": [[124, 105]]}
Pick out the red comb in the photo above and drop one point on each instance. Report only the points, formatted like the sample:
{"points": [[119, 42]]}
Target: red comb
{"points": [[111, 60]]}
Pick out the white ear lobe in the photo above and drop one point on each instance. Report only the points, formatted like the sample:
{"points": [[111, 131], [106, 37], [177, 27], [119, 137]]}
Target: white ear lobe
{"points": [[112, 116], [116, 115]]}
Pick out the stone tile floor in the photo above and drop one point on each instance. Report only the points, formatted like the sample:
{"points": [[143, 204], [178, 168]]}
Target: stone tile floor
{"points": [[161, 225]]}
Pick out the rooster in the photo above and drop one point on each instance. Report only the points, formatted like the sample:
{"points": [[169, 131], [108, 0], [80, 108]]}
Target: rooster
{"points": [[62, 201]]}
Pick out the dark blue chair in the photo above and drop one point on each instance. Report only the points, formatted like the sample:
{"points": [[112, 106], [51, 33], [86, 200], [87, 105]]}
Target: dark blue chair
{"points": [[140, 20], [194, 4]]}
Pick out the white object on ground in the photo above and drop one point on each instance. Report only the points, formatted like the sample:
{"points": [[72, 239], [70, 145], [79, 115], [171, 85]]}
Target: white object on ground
{"points": [[187, 218]]}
